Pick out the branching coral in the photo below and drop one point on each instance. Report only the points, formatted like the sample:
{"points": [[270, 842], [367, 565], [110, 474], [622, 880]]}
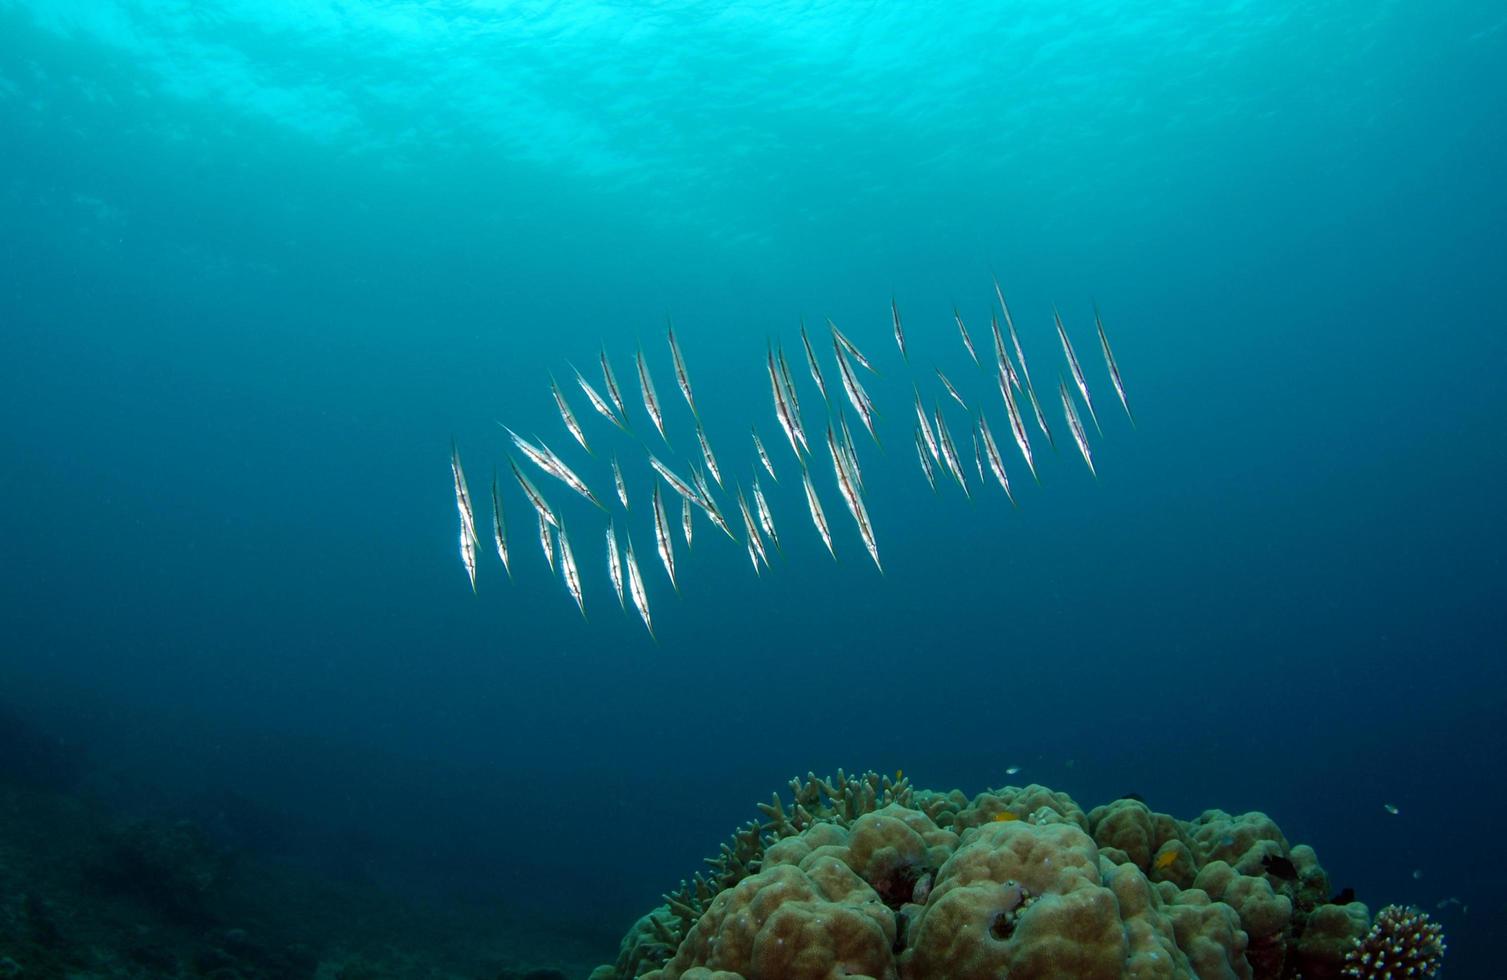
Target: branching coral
{"points": [[1402, 943]]}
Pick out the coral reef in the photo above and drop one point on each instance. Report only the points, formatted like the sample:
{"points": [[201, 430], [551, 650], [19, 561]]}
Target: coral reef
{"points": [[867, 876], [1402, 943]]}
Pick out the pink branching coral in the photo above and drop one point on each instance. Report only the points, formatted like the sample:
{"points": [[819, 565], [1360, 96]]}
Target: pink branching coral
{"points": [[1402, 943]]}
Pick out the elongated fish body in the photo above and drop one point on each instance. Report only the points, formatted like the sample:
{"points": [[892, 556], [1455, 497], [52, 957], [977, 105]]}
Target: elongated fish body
{"points": [[931, 478], [547, 542], [764, 456], [1020, 355], [1072, 362], [467, 516], [610, 380], [614, 563], [617, 481], [950, 453], [766, 519], [681, 377], [468, 556], [568, 476], [791, 395], [462, 494], [816, 370], [500, 527], [1000, 357], [1017, 424], [792, 400], [1114, 369], [752, 530], [856, 395], [924, 424], [706, 454], [566, 415], [850, 347], [899, 330], [662, 539], [676, 483], [651, 397], [598, 403], [708, 503], [850, 452], [1075, 425], [951, 390], [818, 516], [967, 340], [685, 520], [535, 498], [849, 490], [996, 462], [978, 456], [547, 460], [636, 588], [781, 406], [570, 572]]}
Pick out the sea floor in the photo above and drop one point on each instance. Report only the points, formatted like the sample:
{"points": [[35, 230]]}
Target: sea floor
{"points": [[86, 893]]}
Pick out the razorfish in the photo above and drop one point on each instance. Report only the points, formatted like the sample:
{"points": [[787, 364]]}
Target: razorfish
{"points": [[752, 530], [467, 516], [662, 539], [709, 504], [851, 347], [931, 478], [546, 512], [568, 476], [816, 370], [617, 481], [651, 398], [967, 340], [781, 406], [681, 377], [1075, 425], [792, 399], [996, 462], [925, 427], [1072, 362], [706, 453], [766, 518], [978, 457], [1020, 355], [856, 395], [614, 563], [535, 455], [818, 516], [1017, 424], [676, 483], [899, 330], [598, 403], [636, 589], [569, 417], [547, 542], [950, 453], [999, 344], [1000, 357], [610, 380], [951, 390], [764, 456], [1114, 369], [500, 527], [685, 520], [571, 574], [849, 490], [849, 450]]}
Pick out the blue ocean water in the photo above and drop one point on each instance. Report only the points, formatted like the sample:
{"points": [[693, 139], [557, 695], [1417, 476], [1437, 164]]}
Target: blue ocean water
{"points": [[261, 262]]}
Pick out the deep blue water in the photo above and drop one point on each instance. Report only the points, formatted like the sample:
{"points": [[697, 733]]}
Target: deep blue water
{"points": [[260, 262]]}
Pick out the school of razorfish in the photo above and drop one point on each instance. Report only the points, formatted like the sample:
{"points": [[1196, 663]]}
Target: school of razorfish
{"points": [[936, 449]]}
